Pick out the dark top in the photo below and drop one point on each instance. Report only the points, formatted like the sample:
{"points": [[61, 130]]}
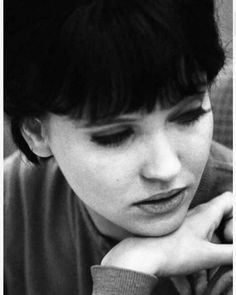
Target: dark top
{"points": [[51, 242]]}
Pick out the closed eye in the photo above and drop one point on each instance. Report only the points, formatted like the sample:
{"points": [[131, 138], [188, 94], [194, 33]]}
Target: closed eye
{"points": [[113, 139], [190, 117]]}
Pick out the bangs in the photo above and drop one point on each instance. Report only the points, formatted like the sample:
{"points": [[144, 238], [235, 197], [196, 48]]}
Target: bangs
{"points": [[121, 57]]}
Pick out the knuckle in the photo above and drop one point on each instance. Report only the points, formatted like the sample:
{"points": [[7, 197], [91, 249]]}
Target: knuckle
{"points": [[227, 195], [199, 211], [201, 208], [225, 198]]}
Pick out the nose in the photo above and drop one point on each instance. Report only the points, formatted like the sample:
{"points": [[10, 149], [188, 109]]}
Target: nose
{"points": [[162, 162]]}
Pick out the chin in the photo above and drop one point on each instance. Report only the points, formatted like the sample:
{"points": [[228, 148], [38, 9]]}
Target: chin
{"points": [[158, 232], [161, 226], [168, 229]]}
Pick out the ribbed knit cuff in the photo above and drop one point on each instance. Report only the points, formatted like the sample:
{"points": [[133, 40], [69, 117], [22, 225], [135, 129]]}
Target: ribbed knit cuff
{"points": [[118, 281]]}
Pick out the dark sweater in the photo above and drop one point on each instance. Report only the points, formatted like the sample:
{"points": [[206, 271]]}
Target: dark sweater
{"points": [[51, 242]]}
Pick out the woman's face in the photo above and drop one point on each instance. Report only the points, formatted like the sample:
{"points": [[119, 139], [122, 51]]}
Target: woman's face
{"points": [[138, 173]]}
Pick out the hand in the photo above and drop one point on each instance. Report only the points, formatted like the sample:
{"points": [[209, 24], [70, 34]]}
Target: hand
{"points": [[187, 250], [225, 230], [228, 230]]}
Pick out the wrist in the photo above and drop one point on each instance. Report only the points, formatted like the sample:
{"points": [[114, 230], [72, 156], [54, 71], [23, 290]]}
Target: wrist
{"points": [[153, 268]]}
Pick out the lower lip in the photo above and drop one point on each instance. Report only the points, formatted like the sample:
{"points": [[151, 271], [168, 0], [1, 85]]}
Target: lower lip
{"points": [[163, 206]]}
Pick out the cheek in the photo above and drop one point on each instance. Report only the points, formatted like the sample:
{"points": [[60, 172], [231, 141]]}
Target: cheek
{"points": [[111, 174], [196, 145], [98, 178]]}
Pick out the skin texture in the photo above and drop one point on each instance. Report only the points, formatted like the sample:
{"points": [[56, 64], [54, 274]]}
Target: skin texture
{"points": [[187, 250], [165, 151], [161, 155]]}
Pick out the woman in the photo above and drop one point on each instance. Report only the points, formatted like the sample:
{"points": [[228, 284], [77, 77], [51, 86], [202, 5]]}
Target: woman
{"points": [[109, 102]]}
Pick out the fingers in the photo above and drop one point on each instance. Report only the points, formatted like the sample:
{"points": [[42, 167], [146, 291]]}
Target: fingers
{"points": [[218, 254], [228, 231], [220, 207], [215, 210], [199, 281]]}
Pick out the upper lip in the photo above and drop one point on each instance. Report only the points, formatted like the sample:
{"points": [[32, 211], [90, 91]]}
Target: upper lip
{"points": [[162, 195]]}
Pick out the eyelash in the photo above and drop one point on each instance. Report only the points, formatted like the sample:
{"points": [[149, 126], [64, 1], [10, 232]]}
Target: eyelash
{"points": [[190, 117], [113, 140], [121, 137]]}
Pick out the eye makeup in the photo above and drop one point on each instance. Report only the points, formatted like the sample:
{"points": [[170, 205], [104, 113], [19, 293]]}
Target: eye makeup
{"points": [[121, 130], [190, 110], [112, 138], [191, 116]]}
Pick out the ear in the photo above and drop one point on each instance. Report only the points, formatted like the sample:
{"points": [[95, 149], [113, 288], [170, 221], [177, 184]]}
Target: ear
{"points": [[33, 131]]}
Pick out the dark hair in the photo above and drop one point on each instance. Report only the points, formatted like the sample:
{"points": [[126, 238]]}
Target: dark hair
{"points": [[101, 58]]}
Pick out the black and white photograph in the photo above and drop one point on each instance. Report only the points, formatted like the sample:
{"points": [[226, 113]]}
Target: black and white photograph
{"points": [[118, 142]]}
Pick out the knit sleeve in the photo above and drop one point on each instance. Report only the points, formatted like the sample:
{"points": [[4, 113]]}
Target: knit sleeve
{"points": [[117, 281]]}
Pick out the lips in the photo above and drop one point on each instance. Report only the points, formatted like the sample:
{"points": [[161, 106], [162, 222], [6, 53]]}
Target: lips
{"points": [[162, 196], [163, 202]]}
